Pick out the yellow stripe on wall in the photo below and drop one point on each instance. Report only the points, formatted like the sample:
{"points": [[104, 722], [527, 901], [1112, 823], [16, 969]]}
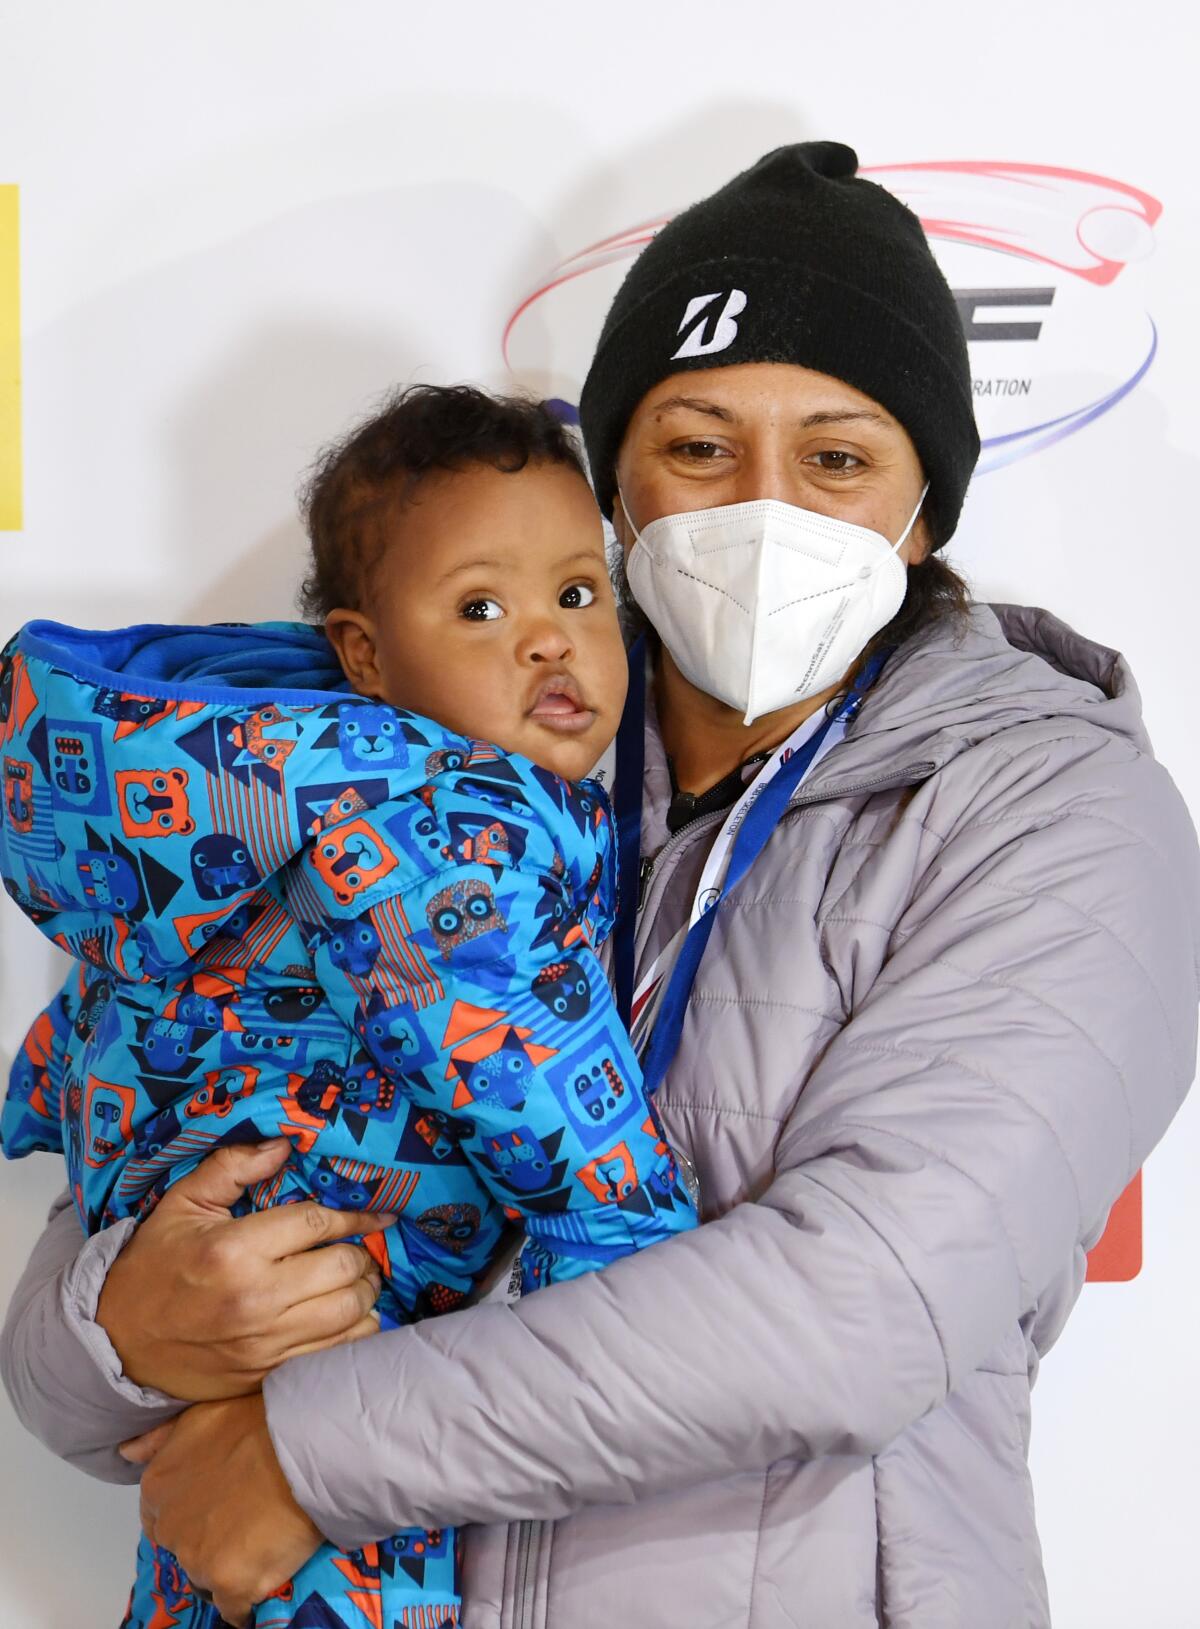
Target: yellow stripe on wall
{"points": [[10, 364]]}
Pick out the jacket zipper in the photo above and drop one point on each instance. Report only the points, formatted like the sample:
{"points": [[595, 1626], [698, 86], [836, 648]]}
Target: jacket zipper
{"points": [[648, 867], [523, 1616]]}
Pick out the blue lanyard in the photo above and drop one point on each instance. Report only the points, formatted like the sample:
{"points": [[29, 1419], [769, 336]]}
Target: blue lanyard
{"points": [[627, 806], [760, 821]]}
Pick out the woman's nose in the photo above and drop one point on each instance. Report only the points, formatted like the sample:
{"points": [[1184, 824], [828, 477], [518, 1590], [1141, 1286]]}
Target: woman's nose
{"points": [[767, 471]]}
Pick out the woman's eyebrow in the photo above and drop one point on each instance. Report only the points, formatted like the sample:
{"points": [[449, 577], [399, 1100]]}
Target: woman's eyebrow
{"points": [[846, 417], [696, 404]]}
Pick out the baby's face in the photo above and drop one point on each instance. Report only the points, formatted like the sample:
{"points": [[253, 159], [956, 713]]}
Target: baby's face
{"points": [[491, 611]]}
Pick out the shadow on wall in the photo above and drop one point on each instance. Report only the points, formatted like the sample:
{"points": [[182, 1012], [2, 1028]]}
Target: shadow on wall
{"points": [[260, 409], [187, 402]]}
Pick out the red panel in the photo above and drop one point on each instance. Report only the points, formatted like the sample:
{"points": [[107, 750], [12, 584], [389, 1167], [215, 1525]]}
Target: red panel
{"points": [[1117, 1256]]}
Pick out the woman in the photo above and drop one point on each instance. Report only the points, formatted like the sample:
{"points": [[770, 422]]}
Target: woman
{"points": [[946, 1008]]}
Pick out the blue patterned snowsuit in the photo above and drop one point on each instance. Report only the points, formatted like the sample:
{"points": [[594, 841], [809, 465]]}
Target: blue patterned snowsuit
{"points": [[296, 911]]}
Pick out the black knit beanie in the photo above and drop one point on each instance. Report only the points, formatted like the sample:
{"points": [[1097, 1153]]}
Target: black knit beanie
{"points": [[798, 259]]}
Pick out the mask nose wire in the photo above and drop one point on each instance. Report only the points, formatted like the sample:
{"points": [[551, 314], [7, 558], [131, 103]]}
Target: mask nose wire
{"points": [[866, 570]]}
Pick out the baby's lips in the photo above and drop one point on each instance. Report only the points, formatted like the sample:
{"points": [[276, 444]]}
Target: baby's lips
{"points": [[556, 705], [558, 696]]}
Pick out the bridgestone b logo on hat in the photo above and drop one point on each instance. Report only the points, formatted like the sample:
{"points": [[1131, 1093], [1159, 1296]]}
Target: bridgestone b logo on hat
{"points": [[709, 329]]}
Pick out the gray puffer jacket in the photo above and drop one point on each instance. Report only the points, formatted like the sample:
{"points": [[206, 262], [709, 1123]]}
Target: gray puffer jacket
{"points": [[937, 1030]]}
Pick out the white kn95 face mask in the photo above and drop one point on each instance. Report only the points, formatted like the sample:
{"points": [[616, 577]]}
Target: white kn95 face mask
{"points": [[765, 604]]}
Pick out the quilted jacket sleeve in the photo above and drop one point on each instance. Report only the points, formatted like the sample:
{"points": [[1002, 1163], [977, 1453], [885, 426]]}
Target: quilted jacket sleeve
{"points": [[1024, 1046], [59, 1368]]}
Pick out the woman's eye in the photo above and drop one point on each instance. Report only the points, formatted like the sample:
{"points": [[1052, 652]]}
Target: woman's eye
{"points": [[482, 610], [836, 461], [577, 597], [700, 452]]}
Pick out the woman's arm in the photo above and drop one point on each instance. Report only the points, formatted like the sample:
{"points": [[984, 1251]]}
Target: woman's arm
{"points": [[143, 1301], [60, 1370], [1021, 1051]]}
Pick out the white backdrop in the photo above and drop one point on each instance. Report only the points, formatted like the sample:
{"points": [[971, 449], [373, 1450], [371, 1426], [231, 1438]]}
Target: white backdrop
{"points": [[240, 223]]}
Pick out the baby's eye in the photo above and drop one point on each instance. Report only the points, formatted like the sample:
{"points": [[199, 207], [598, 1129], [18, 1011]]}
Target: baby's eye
{"points": [[577, 597], [482, 610]]}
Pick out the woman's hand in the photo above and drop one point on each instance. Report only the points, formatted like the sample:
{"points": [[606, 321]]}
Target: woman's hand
{"points": [[201, 1304], [214, 1495]]}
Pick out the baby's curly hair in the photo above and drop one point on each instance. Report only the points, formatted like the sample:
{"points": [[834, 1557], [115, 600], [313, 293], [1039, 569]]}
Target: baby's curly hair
{"points": [[355, 482]]}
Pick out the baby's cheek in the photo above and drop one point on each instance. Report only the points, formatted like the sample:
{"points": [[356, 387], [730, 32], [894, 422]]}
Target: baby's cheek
{"points": [[612, 667], [570, 759]]}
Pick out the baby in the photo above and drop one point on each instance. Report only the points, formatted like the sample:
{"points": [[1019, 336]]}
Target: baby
{"points": [[299, 906]]}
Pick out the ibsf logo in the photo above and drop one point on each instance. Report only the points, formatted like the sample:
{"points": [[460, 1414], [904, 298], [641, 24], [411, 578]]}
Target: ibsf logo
{"points": [[1046, 269]]}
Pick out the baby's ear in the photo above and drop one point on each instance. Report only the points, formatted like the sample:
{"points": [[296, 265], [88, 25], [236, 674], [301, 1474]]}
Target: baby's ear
{"points": [[352, 636]]}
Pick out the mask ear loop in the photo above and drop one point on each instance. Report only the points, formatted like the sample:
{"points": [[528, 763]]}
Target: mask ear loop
{"points": [[637, 536], [868, 571]]}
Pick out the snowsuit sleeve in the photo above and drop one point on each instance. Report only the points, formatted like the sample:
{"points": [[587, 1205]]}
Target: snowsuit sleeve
{"points": [[59, 1368], [471, 978], [30, 1118], [957, 1147]]}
